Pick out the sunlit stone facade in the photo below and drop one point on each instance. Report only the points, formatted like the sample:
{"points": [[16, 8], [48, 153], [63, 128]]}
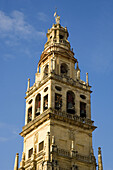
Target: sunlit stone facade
{"points": [[58, 126]]}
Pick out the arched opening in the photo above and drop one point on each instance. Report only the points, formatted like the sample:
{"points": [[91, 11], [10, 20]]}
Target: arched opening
{"points": [[58, 101], [82, 109], [46, 70], [46, 102], [38, 105], [64, 69], [70, 102], [29, 114]]}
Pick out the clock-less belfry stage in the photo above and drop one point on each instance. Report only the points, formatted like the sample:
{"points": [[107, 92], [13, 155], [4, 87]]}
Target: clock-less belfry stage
{"points": [[58, 126]]}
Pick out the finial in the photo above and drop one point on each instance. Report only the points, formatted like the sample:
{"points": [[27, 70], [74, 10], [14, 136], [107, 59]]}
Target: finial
{"points": [[28, 86], [87, 82], [78, 71], [99, 150], [57, 18], [100, 166], [16, 161], [77, 67], [72, 145], [53, 140]]}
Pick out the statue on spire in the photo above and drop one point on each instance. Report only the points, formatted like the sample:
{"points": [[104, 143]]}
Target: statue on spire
{"points": [[57, 18]]}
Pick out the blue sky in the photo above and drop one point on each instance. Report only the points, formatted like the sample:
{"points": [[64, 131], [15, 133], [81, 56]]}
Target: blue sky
{"points": [[23, 28]]}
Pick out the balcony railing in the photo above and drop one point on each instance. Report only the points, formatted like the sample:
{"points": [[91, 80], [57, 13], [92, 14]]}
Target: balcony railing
{"points": [[73, 117], [74, 154], [61, 41]]}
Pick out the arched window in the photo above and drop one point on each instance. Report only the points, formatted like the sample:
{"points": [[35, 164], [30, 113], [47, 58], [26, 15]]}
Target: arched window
{"points": [[38, 104], [64, 69], [46, 102], [70, 102], [29, 114], [82, 109], [58, 101], [46, 70]]}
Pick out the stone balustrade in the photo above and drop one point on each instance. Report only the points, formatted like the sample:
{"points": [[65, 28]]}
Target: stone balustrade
{"points": [[74, 117], [75, 154]]}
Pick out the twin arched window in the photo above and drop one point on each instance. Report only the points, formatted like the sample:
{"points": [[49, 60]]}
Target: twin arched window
{"points": [[70, 102]]}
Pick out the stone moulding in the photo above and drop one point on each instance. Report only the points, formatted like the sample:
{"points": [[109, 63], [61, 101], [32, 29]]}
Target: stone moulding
{"points": [[58, 115]]}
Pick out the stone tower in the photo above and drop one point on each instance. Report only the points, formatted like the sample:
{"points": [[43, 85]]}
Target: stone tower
{"points": [[58, 126]]}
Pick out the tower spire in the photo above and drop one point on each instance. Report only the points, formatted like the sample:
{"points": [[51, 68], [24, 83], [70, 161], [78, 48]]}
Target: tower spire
{"points": [[100, 166]]}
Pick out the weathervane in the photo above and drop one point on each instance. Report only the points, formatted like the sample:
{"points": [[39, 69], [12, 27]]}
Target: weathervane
{"points": [[57, 18]]}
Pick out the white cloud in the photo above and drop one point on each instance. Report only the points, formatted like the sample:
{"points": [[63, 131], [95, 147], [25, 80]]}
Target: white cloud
{"points": [[15, 131], [3, 139], [7, 57], [16, 25], [11, 129], [42, 16], [2, 125]]}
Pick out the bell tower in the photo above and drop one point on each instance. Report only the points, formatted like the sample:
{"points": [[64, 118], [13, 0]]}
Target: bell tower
{"points": [[58, 126]]}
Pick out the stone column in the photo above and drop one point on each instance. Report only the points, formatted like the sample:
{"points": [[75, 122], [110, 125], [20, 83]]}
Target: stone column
{"points": [[64, 100], [50, 96], [28, 86], [71, 71], [26, 115], [57, 35], [77, 103], [51, 65], [47, 149], [42, 99], [33, 108]]}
